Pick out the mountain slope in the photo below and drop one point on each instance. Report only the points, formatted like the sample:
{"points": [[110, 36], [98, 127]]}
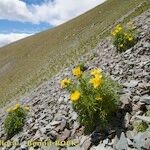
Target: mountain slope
{"points": [[28, 62], [52, 118]]}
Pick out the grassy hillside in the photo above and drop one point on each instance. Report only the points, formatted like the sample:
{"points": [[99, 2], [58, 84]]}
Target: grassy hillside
{"points": [[27, 63]]}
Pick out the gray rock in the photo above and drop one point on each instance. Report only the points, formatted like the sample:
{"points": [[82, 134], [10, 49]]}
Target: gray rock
{"points": [[148, 107], [64, 135], [127, 120], [52, 147], [37, 136], [83, 139], [122, 143], [130, 134], [105, 142], [145, 99], [136, 98], [54, 123], [146, 45], [102, 147], [63, 124], [74, 116], [132, 83], [31, 148], [61, 99], [87, 143], [142, 140], [144, 118], [130, 143], [74, 148], [52, 135]]}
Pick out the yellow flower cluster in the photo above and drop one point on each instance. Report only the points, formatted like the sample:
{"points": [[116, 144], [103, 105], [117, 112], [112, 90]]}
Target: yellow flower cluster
{"points": [[129, 37], [96, 80], [17, 106], [117, 29], [64, 83]]}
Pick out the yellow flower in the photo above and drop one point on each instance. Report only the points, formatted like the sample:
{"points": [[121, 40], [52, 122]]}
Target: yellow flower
{"points": [[116, 30], [130, 38], [9, 110], [27, 108], [113, 33], [119, 26], [121, 45], [16, 106], [98, 98], [64, 83], [96, 81], [77, 71], [126, 34], [75, 96], [96, 72]]}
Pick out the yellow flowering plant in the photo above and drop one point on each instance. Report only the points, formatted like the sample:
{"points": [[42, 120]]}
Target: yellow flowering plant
{"points": [[123, 37], [15, 119], [94, 97]]}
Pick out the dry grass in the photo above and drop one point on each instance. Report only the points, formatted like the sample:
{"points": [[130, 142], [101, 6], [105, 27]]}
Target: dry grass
{"points": [[27, 63]]}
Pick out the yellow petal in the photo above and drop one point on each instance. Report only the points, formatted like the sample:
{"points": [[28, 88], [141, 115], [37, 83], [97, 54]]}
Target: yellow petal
{"points": [[64, 83], [75, 96], [77, 71], [27, 108]]}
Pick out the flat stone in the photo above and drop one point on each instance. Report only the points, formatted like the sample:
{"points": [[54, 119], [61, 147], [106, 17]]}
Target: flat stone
{"points": [[74, 148], [52, 135], [87, 143], [74, 116], [122, 143], [63, 124], [102, 147], [54, 123], [131, 84], [52, 147], [64, 135], [83, 139], [136, 98], [145, 99], [127, 120], [126, 103], [142, 140], [37, 135], [61, 99], [130, 134], [144, 118], [130, 143], [105, 142]]}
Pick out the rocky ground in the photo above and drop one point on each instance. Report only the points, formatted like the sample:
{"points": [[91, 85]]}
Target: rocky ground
{"points": [[52, 118]]}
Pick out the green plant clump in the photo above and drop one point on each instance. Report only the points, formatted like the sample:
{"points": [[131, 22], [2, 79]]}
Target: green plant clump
{"points": [[123, 38], [148, 113], [94, 97], [15, 120], [140, 126]]}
